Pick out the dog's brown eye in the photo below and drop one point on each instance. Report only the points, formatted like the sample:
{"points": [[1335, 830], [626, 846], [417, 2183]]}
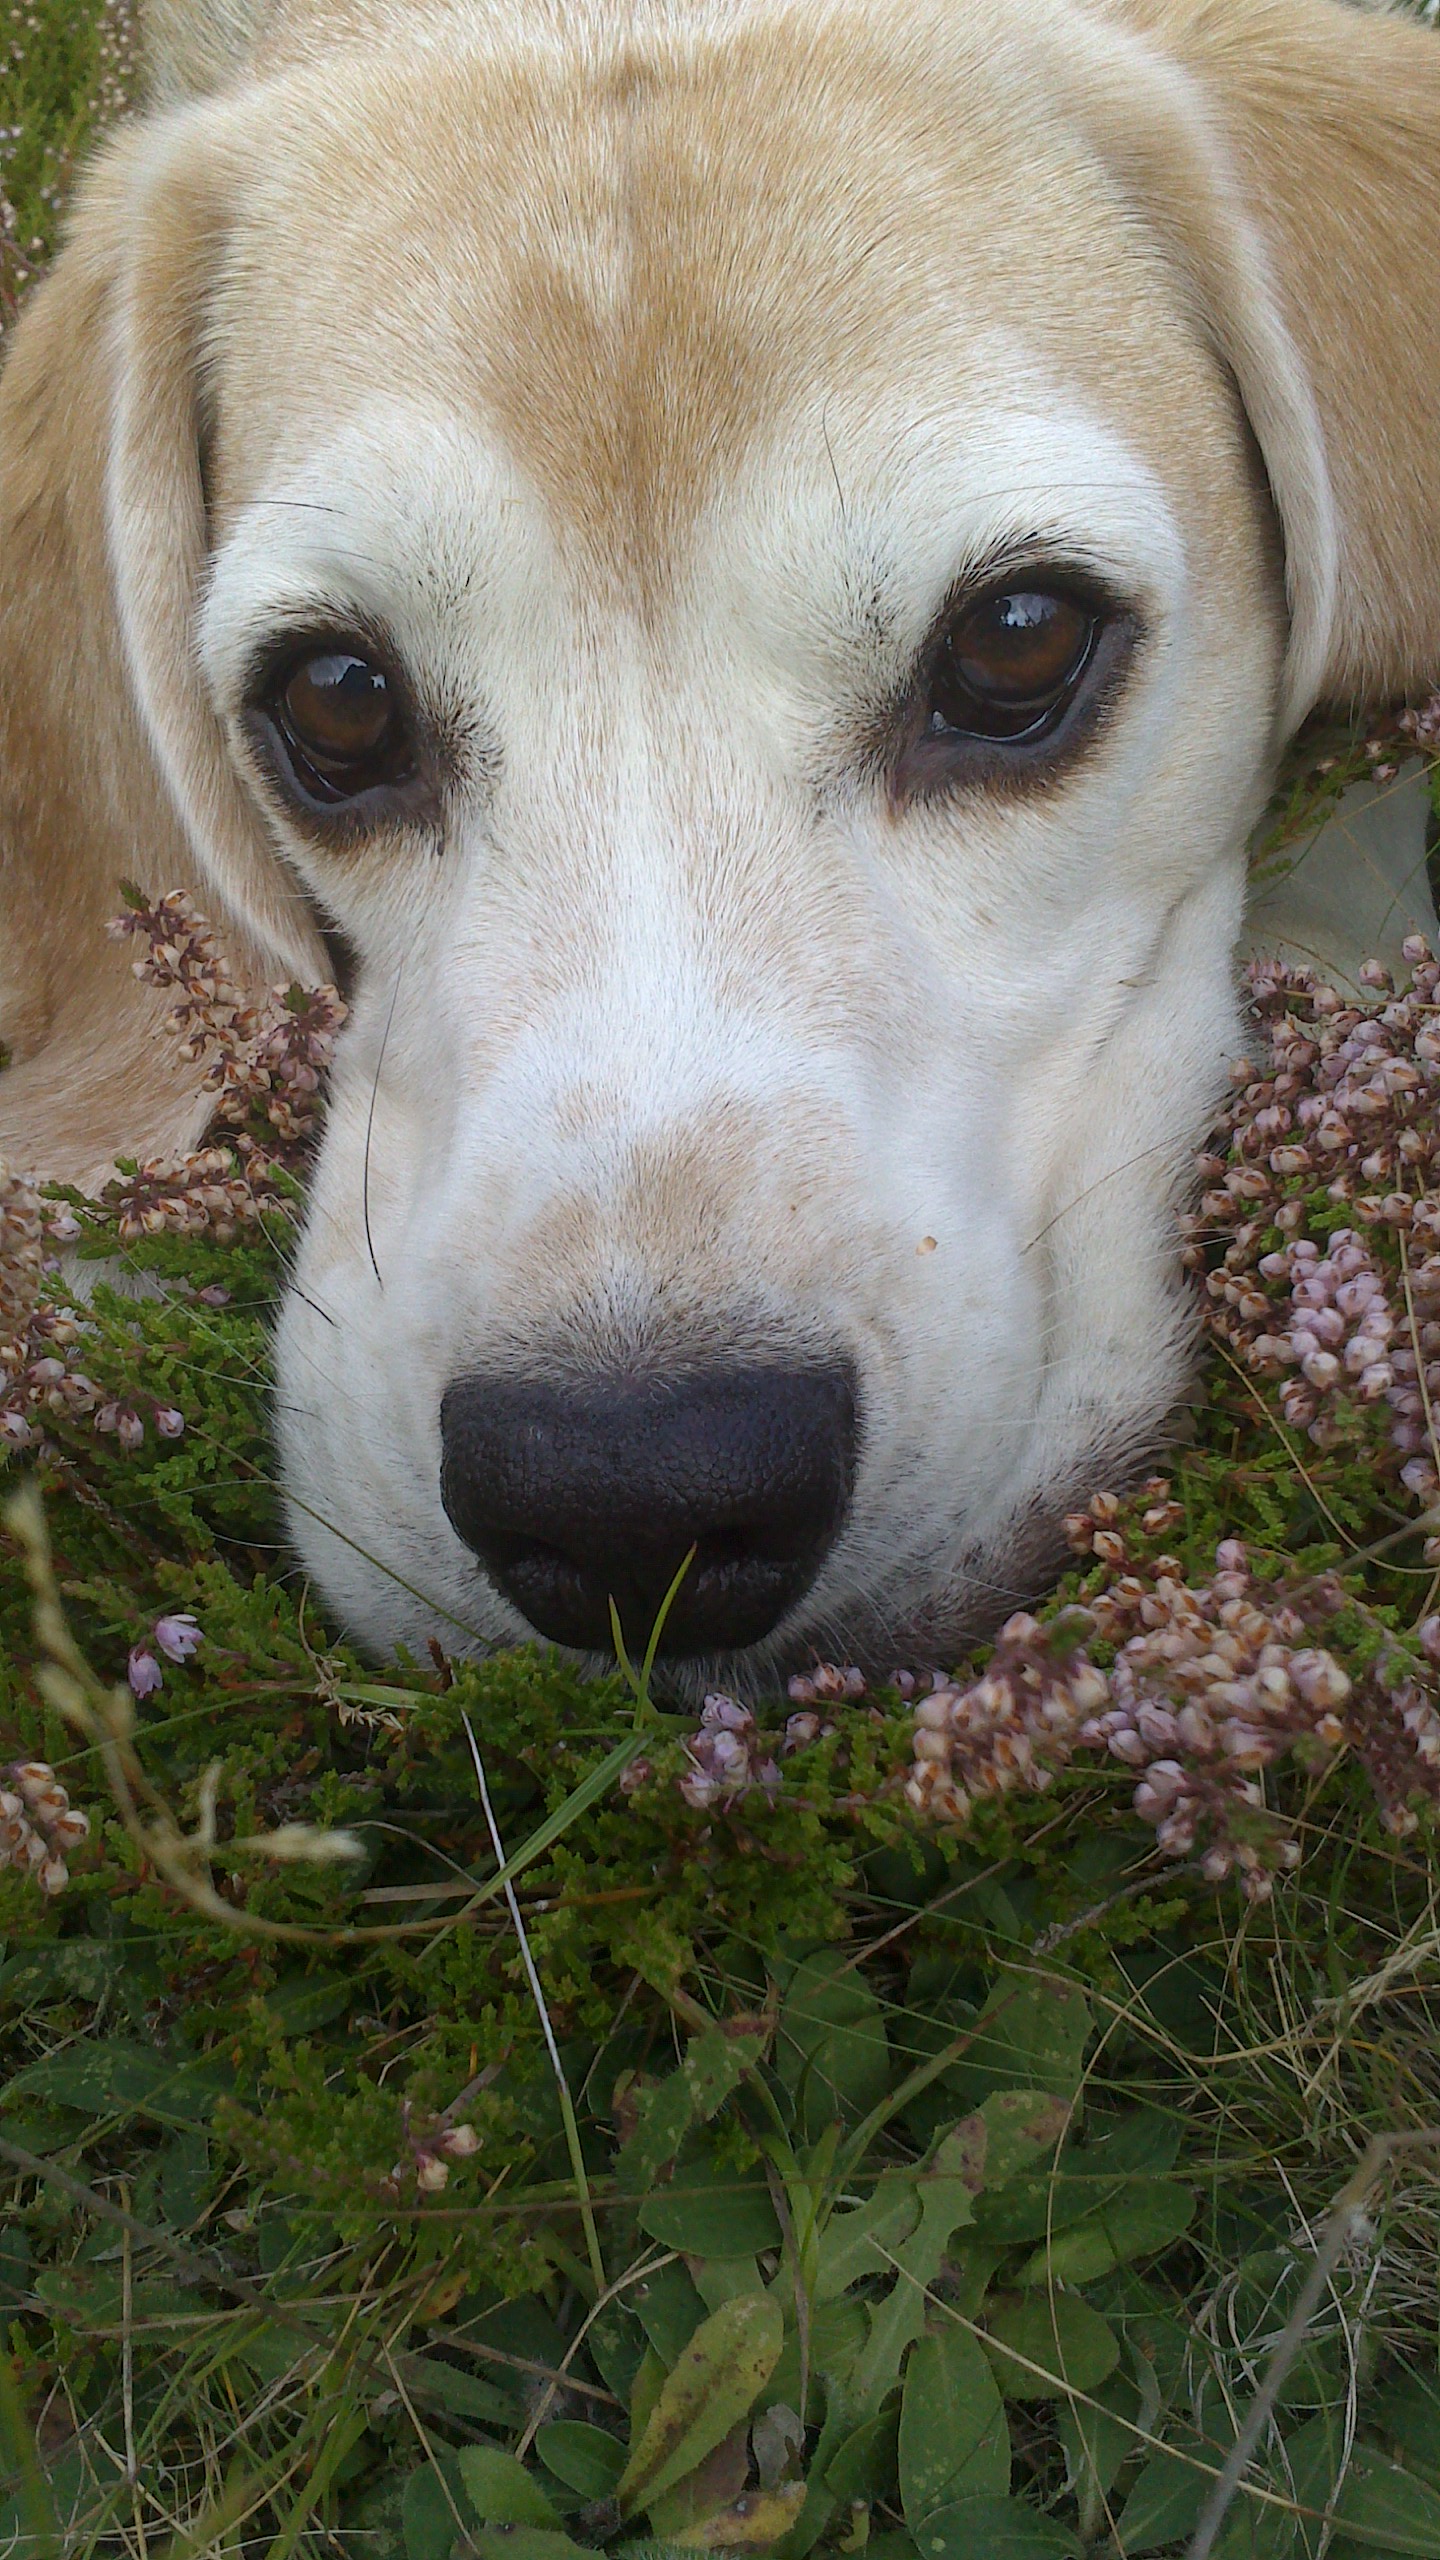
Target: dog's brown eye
{"points": [[341, 725], [1009, 664]]}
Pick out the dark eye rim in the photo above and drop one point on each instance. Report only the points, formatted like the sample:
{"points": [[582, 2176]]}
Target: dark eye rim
{"points": [[411, 796], [924, 763]]}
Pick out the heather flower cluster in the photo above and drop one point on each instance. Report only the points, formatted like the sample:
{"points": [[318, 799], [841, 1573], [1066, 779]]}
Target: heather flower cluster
{"points": [[177, 1636], [1211, 1686], [1013, 1727], [1325, 1214], [427, 2164], [263, 1062], [38, 1824], [727, 1757], [40, 1343]]}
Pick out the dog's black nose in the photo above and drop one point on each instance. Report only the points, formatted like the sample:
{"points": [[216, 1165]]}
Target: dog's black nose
{"points": [[576, 1492]]}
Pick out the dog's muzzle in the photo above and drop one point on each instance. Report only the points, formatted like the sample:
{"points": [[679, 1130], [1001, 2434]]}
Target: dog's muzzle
{"points": [[576, 1493]]}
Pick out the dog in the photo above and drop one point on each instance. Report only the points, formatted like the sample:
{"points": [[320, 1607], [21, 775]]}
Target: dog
{"points": [[749, 562]]}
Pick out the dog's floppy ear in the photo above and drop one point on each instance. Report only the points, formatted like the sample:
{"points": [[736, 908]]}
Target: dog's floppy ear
{"points": [[1288, 156], [111, 763]]}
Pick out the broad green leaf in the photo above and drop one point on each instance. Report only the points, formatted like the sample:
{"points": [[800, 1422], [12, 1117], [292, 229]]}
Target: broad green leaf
{"points": [[1029, 2035], [718, 2280], [993, 2529], [727, 2362], [1084, 2181], [1022, 2127], [1043, 2346], [831, 2050], [669, 2310], [1154, 2212], [714, 2066], [862, 2467], [501, 2491], [838, 2331], [465, 2395], [1095, 2442], [862, 2240], [954, 2442], [309, 2001], [585, 2458], [617, 2343], [649, 2382], [945, 2190], [712, 2213], [1409, 2414], [1386, 2508], [523, 2542], [427, 2515], [1142, 2143], [1165, 2500], [79, 1965], [115, 2078]]}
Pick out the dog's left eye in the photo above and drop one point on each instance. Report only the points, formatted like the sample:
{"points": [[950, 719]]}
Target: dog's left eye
{"points": [[1010, 663], [336, 718]]}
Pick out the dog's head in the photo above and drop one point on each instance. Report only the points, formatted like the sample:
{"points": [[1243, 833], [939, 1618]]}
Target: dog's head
{"points": [[752, 563]]}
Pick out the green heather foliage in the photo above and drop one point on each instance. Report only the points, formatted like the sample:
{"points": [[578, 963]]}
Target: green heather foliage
{"points": [[927, 2193]]}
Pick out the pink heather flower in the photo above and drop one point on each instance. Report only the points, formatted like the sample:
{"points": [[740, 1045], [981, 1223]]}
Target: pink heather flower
{"points": [[178, 1636], [145, 1673], [169, 1421]]}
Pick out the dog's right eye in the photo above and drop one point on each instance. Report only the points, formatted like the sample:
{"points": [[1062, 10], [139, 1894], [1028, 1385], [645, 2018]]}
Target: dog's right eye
{"points": [[340, 729]]}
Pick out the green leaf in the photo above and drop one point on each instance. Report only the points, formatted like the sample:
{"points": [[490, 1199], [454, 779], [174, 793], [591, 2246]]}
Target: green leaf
{"points": [[113, 2078], [714, 2065], [945, 2188], [309, 2001], [712, 2213], [1095, 2441], [993, 2529], [729, 2360], [525, 2542], [831, 2050], [1409, 2413], [862, 2242], [1021, 2127], [669, 2309], [1153, 2214], [465, 2395], [1165, 2500], [501, 2491], [427, 2516], [1029, 2035], [954, 2442], [1388, 2509], [862, 2467], [585, 2458], [1063, 2343]]}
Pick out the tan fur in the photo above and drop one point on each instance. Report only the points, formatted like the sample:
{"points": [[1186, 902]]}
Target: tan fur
{"points": [[637, 388], [648, 373]]}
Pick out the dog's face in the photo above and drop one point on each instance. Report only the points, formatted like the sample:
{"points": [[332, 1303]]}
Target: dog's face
{"points": [[735, 579]]}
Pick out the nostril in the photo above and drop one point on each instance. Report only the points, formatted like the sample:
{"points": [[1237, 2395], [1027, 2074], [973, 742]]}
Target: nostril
{"points": [[574, 1493]]}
